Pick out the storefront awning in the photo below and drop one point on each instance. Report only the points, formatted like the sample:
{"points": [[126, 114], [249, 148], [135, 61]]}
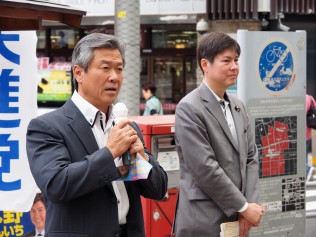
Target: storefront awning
{"points": [[29, 14]]}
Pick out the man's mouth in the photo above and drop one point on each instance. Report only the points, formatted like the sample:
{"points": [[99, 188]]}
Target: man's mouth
{"points": [[111, 89]]}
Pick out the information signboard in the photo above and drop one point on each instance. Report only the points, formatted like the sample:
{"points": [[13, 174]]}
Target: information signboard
{"points": [[272, 84]]}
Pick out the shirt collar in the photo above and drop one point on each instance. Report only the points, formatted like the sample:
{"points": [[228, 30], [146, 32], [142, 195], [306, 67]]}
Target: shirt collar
{"points": [[226, 98], [89, 111], [37, 232]]}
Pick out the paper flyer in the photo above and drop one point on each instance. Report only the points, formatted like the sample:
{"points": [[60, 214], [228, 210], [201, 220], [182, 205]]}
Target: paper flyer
{"points": [[138, 170], [230, 229]]}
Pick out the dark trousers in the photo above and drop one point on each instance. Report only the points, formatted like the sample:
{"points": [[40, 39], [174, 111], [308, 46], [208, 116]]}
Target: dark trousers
{"points": [[122, 231]]}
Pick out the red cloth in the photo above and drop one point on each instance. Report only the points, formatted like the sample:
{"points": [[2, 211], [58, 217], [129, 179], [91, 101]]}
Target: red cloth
{"points": [[310, 101]]}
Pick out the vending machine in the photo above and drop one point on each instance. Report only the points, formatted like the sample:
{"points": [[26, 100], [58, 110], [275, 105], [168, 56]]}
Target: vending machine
{"points": [[158, 133]]}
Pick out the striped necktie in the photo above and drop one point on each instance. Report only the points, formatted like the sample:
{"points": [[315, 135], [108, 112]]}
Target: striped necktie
{"points": [[222, 103], [230, 120]]}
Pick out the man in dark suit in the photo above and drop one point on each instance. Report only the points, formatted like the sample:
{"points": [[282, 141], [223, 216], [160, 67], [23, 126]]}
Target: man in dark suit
{"points": [[74, 152], [38, 216], [217, 152]]}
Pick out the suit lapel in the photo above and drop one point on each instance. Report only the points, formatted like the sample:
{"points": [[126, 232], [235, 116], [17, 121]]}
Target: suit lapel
{"points": [[214, 108], [237, 115], [82, 129]]}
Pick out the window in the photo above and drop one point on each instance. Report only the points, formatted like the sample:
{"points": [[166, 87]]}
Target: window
{"points": [[41, 39], [163, 37], [64, 38]]}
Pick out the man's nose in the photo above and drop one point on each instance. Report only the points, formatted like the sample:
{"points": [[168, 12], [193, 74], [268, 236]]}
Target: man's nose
{"points": [[113, 75], [234, 65]]}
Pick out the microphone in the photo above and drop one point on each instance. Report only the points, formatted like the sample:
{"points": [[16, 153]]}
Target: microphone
{"points": [[120, 113]]}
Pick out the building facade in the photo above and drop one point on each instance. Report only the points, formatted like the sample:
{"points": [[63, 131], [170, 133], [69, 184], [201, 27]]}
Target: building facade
{"points": [[169, 35]]}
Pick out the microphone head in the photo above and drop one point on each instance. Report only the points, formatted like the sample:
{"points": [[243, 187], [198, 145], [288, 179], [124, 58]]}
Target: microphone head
{"points": [[120, 110]]}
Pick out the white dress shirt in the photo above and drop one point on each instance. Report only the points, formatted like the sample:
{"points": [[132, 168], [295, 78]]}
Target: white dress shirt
{"points": [[97, 120], [37, 233], [229, 119]]}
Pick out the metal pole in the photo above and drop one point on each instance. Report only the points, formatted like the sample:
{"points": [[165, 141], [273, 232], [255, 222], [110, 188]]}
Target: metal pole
{"points": [[127, 28]]}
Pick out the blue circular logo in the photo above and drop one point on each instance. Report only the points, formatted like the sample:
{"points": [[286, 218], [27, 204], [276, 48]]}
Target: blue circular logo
{"points": [[276, 67]]}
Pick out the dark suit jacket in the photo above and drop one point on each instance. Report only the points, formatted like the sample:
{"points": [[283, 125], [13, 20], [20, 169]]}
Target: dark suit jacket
{"points": [[217, 175], [75, 178], [29, 234]]}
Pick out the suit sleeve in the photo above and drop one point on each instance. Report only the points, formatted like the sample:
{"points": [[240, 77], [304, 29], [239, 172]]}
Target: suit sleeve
{"points": [[155, 187]]}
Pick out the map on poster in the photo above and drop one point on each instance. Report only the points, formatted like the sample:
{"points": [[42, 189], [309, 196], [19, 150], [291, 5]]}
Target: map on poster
{"points": [[293, 194], [292, 197], [276, 139]]}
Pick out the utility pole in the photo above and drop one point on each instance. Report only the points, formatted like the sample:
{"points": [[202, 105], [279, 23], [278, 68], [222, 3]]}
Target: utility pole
{"points": [[127, 28]]}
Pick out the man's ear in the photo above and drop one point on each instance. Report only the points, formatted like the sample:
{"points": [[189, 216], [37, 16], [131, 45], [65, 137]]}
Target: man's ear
{"points": [[78, 72], [204, 64]]}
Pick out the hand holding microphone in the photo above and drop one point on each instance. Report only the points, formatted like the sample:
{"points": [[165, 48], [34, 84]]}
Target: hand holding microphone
{"points": [[120, 113]]}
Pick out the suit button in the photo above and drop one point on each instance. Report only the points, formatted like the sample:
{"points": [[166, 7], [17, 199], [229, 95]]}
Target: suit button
{"points": [[114, 200], [102, 179], [116, 233]]}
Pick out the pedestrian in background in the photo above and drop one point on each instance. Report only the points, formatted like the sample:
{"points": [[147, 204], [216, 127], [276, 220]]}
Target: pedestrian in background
{"points": [[153, 105], [219, 178], [74, 152], [310, 101]]}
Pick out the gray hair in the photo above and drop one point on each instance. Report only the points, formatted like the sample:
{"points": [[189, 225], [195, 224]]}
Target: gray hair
{"points": [[83, 52]]}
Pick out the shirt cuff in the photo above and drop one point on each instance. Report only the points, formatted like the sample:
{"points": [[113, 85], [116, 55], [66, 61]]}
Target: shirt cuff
{"points": [[244, 207], [118, 161]]}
